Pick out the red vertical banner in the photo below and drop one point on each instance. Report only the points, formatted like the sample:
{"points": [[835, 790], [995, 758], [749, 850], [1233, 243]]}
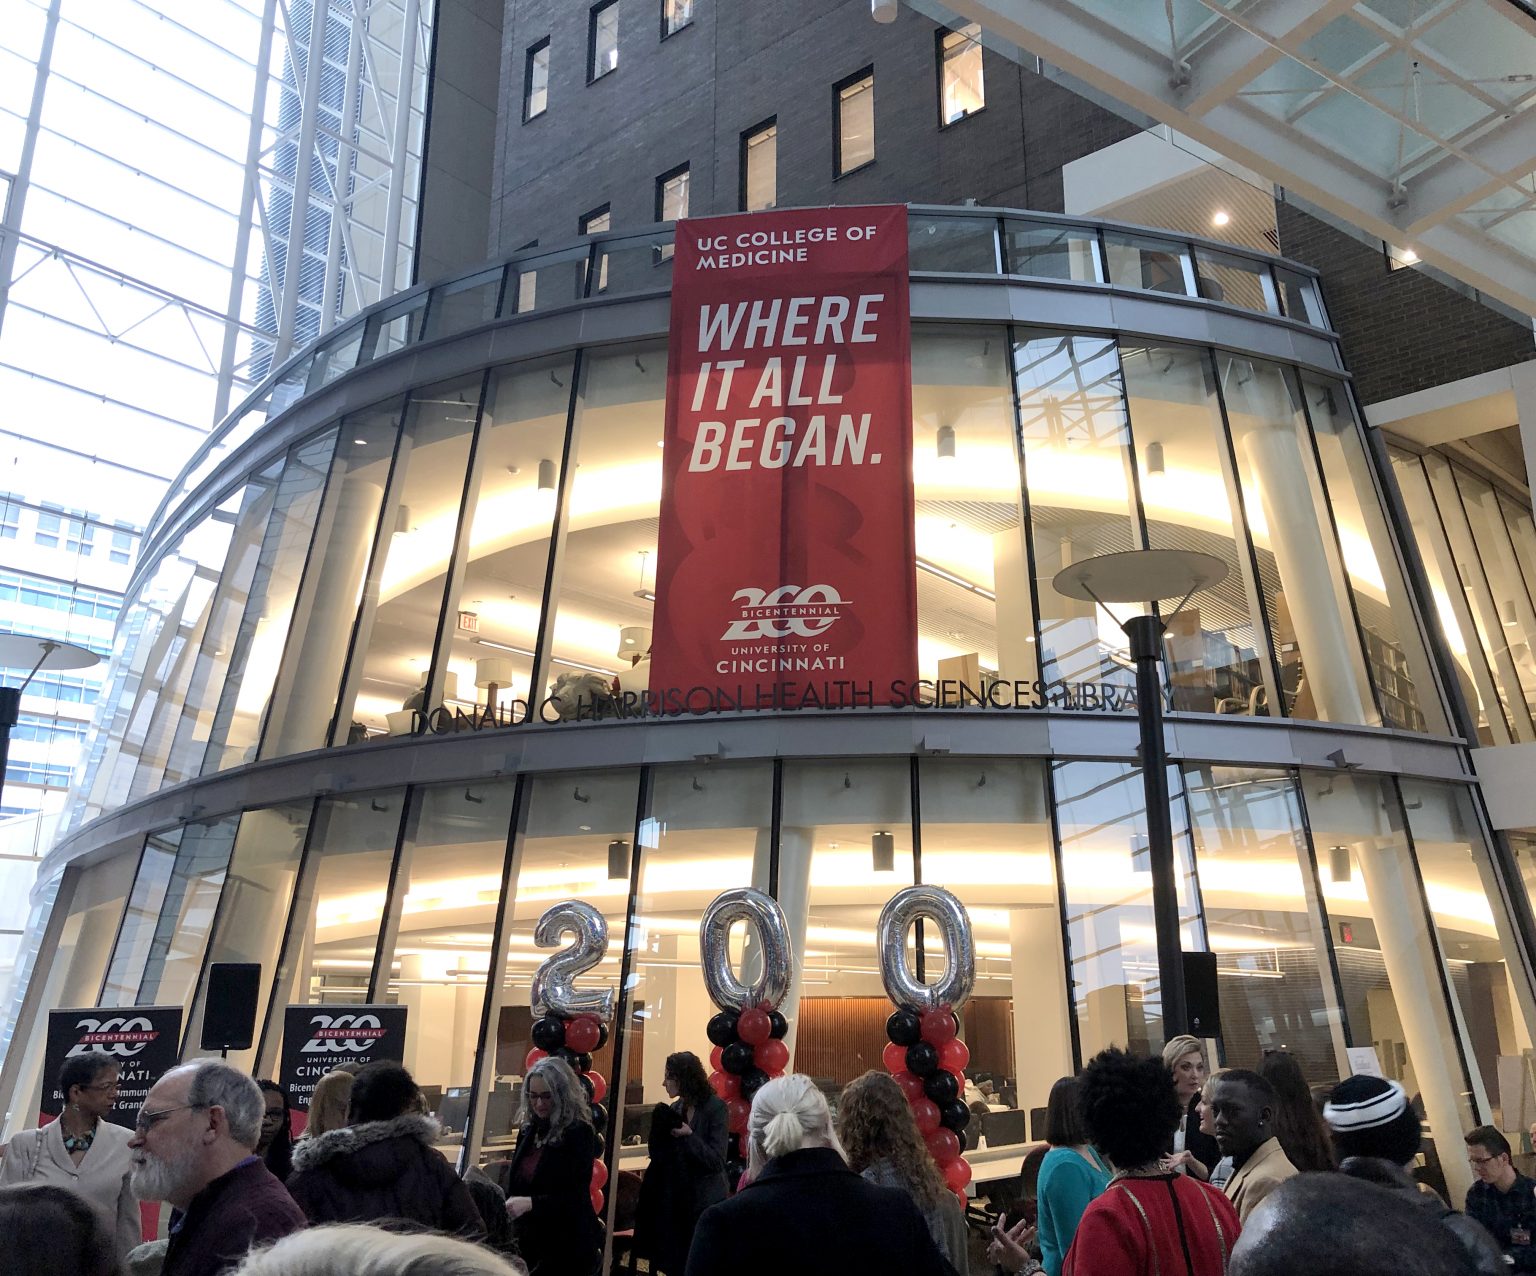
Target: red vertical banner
{"points": [[785, 565]]}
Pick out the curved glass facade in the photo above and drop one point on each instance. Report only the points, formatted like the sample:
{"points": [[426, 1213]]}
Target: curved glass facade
{"points": [[464, 524]]}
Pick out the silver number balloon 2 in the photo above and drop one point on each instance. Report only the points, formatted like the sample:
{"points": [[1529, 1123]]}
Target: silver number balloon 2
{"points": [[763, 914], [554, 983], [945, 911]]}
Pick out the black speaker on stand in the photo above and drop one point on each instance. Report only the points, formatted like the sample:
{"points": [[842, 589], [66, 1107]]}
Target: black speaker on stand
{"points": [[1202, 998], [229, 1010]]}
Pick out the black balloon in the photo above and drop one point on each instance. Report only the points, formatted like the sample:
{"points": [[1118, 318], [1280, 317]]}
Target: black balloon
{"points": [[954, 1115], [923, 1059], [586, 1082], [780, 1025], [751, 1082], [904, 1028], [602, 1145], [721, 1030], [582, 1063], [602, 1035], [599, 1117], [569, 1055], [941, 1087], [549, 1033], [737, 1058]]}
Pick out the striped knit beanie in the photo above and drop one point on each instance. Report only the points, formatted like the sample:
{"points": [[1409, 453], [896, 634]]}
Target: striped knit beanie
{"points": [[1364, 1103]]}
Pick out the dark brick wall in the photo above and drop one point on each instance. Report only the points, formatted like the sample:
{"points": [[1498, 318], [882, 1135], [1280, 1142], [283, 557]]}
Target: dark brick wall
{"points": [[1401, 330], [688, 99]]}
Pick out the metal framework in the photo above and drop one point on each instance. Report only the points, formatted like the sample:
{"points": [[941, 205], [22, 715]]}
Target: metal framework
{"points": [[1412, 119]]}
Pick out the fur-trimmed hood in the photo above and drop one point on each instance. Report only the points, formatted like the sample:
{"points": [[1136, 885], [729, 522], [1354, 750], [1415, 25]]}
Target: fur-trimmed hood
{"points": [[363, 1143]]}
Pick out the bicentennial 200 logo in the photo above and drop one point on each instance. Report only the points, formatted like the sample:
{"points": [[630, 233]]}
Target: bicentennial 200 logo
{"points": [[786, 612], [121, 1038], [333, 1033]]}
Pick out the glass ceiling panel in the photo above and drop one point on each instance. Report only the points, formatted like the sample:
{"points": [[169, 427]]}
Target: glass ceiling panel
{"points": [[1372, 133], [1486, 48], [1342, 46]]}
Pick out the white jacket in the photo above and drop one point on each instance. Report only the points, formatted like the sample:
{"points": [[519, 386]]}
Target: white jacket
{"points": [[101, 1178]]}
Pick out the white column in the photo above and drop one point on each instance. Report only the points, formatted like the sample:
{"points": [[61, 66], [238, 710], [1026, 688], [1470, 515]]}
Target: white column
{"points": [[1042, 1033], [1018, 657], [1330, 651], [795, 899]]}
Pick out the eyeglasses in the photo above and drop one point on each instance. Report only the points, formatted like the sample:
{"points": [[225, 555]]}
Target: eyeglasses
{"points": [[149, 1119], [102, 1085], [1481, 1160], [540, 1096]]}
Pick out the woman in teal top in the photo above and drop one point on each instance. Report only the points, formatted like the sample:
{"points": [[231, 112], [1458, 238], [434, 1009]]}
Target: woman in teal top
{"points": [[1071, 1176]]}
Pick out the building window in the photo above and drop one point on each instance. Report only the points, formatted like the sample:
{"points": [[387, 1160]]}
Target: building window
{"points": [[675, 15], [46, 533], [594, 223], [961, 91], [536, 81], [853, 132], [10, 515], [760, 166], [122, 542], [603, 40], [671, 203]]}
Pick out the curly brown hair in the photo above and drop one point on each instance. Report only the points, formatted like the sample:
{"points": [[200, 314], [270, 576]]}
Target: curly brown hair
{"points": [[875, 1124]]}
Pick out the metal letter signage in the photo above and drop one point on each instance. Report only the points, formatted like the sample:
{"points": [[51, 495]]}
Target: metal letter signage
{"points": [[785, 568]]}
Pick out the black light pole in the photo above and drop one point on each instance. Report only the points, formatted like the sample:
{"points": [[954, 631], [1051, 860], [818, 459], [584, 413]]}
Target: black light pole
{"points": [[1146, 637], [1146, 576], [24, 651]]}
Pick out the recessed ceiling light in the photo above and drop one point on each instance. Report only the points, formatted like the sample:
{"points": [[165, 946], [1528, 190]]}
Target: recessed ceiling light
{"points": [[360, 442], [1409, 256], [585, 828], [1220, 217]]}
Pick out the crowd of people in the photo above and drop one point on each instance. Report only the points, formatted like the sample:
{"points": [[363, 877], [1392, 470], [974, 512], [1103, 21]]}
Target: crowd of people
{"points": [[1154, 1166]]}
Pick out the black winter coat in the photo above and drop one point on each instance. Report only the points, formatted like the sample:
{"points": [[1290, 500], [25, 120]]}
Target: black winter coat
{"points": [[809, 1214], [382, 1170], [560, 1235], [684, 1178]]}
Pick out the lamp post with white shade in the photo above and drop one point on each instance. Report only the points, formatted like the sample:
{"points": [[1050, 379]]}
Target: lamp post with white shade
{"points": [[25, 651], [1147, 576]]}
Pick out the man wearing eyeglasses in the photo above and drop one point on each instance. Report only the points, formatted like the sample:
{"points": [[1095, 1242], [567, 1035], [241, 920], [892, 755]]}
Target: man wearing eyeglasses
{"points": [[194, 1147], [1503, 1200]]}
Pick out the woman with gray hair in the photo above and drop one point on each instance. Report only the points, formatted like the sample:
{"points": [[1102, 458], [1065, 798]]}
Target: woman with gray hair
{"points": [[549, 1194], [805, 1211]]}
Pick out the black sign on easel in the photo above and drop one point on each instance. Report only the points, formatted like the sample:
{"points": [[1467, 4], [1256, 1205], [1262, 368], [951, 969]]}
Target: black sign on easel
{"points": [[143, 1040], [318, 1038]]}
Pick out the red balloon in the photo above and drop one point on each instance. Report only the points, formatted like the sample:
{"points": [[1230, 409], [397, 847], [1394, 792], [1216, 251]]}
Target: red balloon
{"points": [[926, 1113], [911, 1085], [964, 1200], [771, 1056], [894, 1057], [533, 1056], [599, 1174], [944, 1147], [958, 1174], [938, 1026], [597, 1200], [582, 1034], [737, 1111], [714, 1059], [954, 1054], [754, 1027], [599, 1087], [728, 1087]]}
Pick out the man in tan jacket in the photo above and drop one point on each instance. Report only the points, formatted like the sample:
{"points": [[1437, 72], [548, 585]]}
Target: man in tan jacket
{"points": [[1242, 1107]]}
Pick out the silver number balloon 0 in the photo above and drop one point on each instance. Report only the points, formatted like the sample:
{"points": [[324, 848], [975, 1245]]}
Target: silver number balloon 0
{"points": [[554, 983], [763, 914], [944, 910]]}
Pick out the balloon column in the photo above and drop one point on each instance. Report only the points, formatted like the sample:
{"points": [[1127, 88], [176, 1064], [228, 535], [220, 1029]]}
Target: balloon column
{"points": [[748, 1032], [925, 1056], [571, 1024]]}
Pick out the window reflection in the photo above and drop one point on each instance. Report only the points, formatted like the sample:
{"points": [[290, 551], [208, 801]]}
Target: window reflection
{"points": [[975, 623], [1216, 655], [1077, 465], [987, 839], [1107, 880]]}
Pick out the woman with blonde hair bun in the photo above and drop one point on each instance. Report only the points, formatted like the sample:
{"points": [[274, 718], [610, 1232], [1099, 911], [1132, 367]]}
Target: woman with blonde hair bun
{"points": [[805, 1211]]}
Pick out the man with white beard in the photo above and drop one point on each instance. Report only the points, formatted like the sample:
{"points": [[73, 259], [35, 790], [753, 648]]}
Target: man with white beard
{"points": [[193, 1146]]}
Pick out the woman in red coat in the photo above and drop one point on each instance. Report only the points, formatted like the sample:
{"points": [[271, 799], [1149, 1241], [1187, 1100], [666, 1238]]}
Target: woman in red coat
{"points": [[1148, 1220]]}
